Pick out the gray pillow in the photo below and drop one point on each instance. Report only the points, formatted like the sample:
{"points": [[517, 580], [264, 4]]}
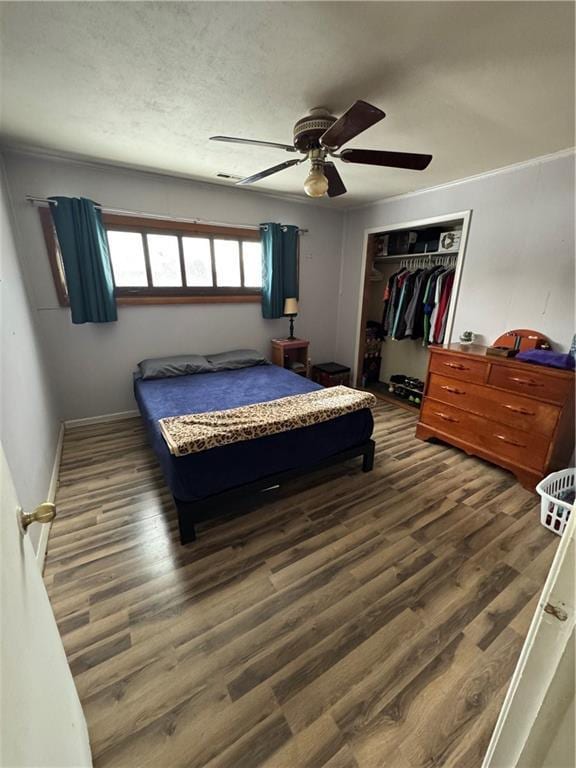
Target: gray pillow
{"points": [[177, 365], [236, 358]]}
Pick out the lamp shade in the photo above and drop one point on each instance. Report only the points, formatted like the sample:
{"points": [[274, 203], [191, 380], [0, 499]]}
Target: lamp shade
{"points": [[290, 306]]}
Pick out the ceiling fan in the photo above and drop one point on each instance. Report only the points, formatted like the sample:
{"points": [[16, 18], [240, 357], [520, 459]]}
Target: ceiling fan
{"points": [[319, 136]]}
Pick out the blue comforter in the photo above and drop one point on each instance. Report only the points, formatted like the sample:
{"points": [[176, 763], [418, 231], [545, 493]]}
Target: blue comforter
{"points": [[199, 475]]}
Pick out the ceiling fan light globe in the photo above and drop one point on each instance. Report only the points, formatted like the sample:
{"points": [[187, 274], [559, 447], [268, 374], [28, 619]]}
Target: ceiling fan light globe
{"points": [[316, 184]]}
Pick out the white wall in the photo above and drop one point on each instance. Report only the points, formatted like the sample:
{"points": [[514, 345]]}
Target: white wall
{"points": [[91, 365], [28, 416], [519, 267]]}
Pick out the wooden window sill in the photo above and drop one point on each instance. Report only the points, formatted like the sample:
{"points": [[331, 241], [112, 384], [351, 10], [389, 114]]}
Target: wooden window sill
{"points": [[239, 299]]}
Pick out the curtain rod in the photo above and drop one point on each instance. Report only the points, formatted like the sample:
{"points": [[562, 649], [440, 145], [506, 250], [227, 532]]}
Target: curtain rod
{"points": [[35, 200]]}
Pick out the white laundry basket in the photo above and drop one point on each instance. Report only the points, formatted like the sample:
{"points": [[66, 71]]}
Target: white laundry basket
{"points": [[555, 511]]}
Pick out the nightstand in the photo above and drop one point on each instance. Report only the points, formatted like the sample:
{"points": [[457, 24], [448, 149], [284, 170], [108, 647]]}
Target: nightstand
{"points": [[292, 354]]}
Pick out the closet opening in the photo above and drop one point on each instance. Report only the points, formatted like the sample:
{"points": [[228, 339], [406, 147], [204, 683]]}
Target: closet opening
{"points": [[409, 291]]}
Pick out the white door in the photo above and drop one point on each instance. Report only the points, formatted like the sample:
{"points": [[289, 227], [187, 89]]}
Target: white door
{"points": [[540, 699], [41, 720]]}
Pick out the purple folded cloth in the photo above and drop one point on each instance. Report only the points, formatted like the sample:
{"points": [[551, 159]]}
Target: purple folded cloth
{"points": [[546, 357]]}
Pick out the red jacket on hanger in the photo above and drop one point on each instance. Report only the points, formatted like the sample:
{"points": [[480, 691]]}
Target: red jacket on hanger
{"points": [[438, 336]]}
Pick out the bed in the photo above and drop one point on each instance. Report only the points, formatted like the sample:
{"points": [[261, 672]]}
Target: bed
{"points": [[204, 483]]}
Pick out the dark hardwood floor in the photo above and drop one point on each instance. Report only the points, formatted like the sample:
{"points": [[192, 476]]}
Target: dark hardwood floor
{"points": [[359, 620]]}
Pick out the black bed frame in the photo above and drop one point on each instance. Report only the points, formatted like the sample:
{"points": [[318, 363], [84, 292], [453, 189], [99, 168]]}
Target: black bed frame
{"points": [[190, 513]]}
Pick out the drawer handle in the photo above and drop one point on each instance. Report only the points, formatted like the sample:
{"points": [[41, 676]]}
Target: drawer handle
{"points": [[458, 366], [516, 409], [453, 390], [510, 442], [445, 416], [528, 382]]}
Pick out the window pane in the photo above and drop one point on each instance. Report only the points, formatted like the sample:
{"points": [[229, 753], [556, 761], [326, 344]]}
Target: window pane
{"points": [[164, 260], [252, 257], [197, 261], [227, 257], [127, 256]]}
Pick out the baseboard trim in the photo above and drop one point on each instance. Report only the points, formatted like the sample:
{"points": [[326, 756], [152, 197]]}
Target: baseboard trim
{"points": [[72, 423], [51, 495]]}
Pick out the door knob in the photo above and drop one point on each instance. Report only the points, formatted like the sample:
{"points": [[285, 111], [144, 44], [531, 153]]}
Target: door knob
{"points": [[44, 513]]}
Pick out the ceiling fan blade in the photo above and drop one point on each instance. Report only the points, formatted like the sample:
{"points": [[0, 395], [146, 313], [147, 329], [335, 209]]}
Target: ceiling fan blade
{"points": [[360, 116], [236, 140], [409, 160], [270, 171], [335, 184]]}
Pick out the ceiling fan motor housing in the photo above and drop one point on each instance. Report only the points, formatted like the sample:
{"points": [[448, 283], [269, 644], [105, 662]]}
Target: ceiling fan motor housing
{"points": [[307, 130]]}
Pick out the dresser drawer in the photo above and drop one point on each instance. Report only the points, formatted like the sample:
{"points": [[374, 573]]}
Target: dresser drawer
{"points": [[531, 382], [459, 367], [512, 445], [503, 407]]}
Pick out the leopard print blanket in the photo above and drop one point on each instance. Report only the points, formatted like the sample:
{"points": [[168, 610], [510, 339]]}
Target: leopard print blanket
{"points": [[201, 431]]}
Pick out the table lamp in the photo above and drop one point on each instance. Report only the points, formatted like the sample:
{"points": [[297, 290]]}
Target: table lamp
{"points": [[291, 310]]}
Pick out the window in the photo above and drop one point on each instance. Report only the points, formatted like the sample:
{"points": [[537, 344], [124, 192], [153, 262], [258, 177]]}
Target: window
{"points": [[162, 261]]}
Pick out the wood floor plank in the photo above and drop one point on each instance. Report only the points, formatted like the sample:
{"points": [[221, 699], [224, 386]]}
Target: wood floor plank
{"points": [[312, 557], [317, 745], [80, 638], [354, 621], [140, 697], [406, 662], [349, 636], [245, 644], [255, 747], [345, 759], [383, 732], [499, 614], [434, 743], [320, 695]]}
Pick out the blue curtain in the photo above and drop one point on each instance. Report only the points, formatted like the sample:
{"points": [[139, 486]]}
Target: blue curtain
{"points": [[279, 267], [86, 259]]}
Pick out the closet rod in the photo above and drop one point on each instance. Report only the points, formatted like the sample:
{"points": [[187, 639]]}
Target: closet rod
{"points": [[446, 260], [35, 200]]}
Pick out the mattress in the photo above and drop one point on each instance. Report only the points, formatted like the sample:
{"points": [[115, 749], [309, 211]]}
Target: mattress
{"points": [[200, 475]]}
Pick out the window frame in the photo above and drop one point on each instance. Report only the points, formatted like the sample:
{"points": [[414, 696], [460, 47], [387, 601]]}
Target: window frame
{"points": [[157, 294]]}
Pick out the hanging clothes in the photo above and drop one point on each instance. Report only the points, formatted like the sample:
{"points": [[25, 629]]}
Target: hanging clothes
{"points": [[444, 303], [434, 313], [430, 304], [411, 308], [416, 304], [406, 294], [415, 322], [386, 298], [391, 299]]}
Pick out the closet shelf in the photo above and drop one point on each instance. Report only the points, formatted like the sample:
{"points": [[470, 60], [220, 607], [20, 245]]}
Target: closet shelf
{"points": [[399, 256]]}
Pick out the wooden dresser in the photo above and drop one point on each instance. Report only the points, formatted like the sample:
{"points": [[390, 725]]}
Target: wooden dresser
{"points": [[517, 415]]}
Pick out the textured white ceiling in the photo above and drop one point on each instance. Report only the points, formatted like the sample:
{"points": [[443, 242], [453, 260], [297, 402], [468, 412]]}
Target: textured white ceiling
{"points": [[478, 85]]}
